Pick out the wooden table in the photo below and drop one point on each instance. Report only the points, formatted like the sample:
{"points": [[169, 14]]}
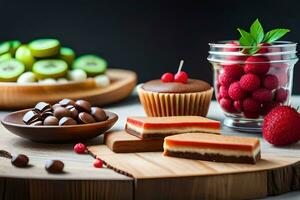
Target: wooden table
{"points": [[81, 180]]}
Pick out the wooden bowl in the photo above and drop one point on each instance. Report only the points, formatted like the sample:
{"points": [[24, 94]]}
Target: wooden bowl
{"points": [[17, 96], [56, 134]]}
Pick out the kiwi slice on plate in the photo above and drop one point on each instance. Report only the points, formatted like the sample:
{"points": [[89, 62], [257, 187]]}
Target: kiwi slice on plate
{"points": [[67, 55], [91, 64], [50, 68], [43, 48], [10, 70], [4, 48], [24, 55], [5, 56], [14, 45]]}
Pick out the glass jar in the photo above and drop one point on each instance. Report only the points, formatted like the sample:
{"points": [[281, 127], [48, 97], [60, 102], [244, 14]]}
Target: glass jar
{"points": [[248, 86]]}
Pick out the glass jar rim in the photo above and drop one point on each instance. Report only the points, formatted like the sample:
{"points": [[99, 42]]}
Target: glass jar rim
{"points": [[222, 44]]}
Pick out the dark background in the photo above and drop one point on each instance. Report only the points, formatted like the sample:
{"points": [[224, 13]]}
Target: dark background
{"points": [[149, 37]]}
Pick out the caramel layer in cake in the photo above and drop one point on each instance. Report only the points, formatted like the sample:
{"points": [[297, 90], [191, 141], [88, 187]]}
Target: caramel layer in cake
{"points": [[159, 127], [210, 147]]}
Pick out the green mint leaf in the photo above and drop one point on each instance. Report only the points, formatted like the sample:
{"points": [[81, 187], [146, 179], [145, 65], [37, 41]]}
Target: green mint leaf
{"points": [[275, 34], [246, 38], [257, 31]]}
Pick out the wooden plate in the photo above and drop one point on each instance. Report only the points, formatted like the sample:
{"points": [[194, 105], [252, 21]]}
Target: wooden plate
{"points": [[16, 96], [55, 134]]}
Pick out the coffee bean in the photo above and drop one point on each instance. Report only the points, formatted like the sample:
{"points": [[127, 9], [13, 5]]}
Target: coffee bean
{"points": [[54, 166], [51, 121], [83, 106], [20, 160], [85, 118], [67, 121], [98, 114]]}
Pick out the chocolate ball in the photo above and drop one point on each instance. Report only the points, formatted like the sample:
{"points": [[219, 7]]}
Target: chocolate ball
{"points": [[36, 123], [30, 117], [85, 118], [98, 114], [56, 105], [54, 166], [67, 121], [20, 160], [51, 121], [66, 102], [73, 110], [61, 112], [83, 106]]}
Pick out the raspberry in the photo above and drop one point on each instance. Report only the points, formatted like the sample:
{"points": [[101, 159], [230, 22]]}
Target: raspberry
{"points": [[232, 46], [226, 80], [98, 163], [250, 82], [262, 95], [219, 97], [270, 82], [251, 115], [257, 65], [233, 70], [237, 106], [250, 105], [80, 148], [236, 92], [226, 105], [263, 48], [281, 95], [224, 91], [282, 77], [267, 107]]}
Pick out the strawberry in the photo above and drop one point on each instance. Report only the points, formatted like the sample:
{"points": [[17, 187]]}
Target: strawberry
{"points": [[236, 92], [262, 95], [270, 82], [281, 126], [257, 65], [250, 82]]}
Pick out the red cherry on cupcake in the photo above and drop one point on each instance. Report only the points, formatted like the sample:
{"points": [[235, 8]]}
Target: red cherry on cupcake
{"points": [[181, 76], [167, 77]]}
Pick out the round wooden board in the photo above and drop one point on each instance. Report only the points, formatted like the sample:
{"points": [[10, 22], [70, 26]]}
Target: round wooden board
{"points": [[14, 96]]}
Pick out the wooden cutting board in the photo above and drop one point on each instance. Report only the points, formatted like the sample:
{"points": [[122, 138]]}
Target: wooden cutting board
{"points": [[122, 142], [176, 178]]}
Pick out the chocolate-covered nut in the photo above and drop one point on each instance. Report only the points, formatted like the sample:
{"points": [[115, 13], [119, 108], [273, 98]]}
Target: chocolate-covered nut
{"points": [[98, 114], [83, 106], [54, 166], [61, 112], [30, 117], [36, 123], [20, 160], [67, 121], [66, 102], [73, 110], [42, 107], [56, 105], [50, 121], [85, 118]]}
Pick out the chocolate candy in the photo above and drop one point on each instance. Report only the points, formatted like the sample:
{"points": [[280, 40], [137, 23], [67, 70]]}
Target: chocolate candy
{"points": [[50, 121], [30, 117], [83, 106], [20, 160], [67, 121], [98, 114], [67, 102], [54, 166], [60, 112], [56, 105], [42, 107], [73, 110], [36, 123], [85, 118]]}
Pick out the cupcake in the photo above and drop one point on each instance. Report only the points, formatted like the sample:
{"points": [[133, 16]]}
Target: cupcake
{"points": [[175, 95]]}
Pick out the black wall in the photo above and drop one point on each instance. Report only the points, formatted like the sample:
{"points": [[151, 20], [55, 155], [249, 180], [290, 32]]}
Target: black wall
{"points": [[149, 37]]}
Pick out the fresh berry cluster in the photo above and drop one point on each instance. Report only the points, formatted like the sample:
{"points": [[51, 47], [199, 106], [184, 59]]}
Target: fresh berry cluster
{"points": [[253, 88]]}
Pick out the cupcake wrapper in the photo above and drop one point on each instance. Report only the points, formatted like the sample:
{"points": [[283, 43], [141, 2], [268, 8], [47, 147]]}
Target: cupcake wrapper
{"points": [[169, 104]]}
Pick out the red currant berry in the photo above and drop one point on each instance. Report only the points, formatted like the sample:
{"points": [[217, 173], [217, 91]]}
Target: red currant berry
{"points": [[181, 77], [167, 77], [79, 148], [98, 163]]}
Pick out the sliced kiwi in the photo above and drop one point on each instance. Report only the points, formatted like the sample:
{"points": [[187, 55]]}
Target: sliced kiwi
{"points": [[4, 48], [43, 48], [24, 55], [5, 56], [91, 64], [50, 68], [10, 70], [14, 45], [67, 55]]}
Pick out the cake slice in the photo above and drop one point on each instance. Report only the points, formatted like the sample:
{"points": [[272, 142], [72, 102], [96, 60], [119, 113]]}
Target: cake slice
{"points": [[211, 147], [160, 127]]}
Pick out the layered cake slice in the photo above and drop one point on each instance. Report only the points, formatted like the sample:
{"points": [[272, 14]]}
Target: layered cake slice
{"points": [[160, 127], [211, 147]]}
